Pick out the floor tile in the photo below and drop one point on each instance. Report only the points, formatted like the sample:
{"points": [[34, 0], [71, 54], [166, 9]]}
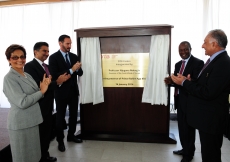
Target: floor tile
{"points": [[123, 155], [108, 151]]}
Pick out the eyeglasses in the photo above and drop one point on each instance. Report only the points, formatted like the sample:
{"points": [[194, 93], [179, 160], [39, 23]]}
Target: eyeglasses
{"points": [[16, 57]]}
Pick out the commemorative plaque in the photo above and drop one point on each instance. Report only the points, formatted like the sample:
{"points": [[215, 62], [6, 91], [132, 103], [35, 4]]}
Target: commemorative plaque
{"points": [[124, 69]]}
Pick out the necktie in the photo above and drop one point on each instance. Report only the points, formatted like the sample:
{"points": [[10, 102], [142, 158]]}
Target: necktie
{"points": [[69, 66], [180, 72], [67, 61], [46, 69], [205, 65]]}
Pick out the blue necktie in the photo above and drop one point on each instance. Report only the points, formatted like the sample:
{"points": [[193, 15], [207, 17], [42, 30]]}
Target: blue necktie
{"points": [[67, 61], [69, 66]]}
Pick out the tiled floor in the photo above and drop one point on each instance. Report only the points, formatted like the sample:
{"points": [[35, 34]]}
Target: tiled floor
{"points": [[102, 151]]}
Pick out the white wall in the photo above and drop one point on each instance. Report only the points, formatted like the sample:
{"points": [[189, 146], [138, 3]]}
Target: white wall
{"points": [[28, 24]]}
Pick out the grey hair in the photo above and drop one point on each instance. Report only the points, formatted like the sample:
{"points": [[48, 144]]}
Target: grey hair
{"points": [[220, 37]]}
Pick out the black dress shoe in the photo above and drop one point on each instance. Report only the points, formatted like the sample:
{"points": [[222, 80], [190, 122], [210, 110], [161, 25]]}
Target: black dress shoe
{"points": [[48, 159], [74, 139], [61, 146], [51, 159], [185, 160], [178, 152]]}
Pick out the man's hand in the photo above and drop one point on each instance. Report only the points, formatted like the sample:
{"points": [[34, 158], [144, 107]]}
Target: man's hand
{"points": [[179, 79], [62, 78], [76, 66], [168, 80], [189, 77], [45, 83]]}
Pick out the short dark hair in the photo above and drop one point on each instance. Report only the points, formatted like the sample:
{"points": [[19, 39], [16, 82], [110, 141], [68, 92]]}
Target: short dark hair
{"points": [[13, 48], [186, 42], [62, 38], [220, 37], [38, 45]]}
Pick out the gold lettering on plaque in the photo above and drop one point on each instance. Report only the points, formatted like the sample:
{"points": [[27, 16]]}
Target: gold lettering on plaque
{"points": [[125, 69]]}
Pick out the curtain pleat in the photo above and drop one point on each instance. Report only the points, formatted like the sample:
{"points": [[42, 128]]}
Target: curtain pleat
{"points": [[155, 90], [90, 83]]}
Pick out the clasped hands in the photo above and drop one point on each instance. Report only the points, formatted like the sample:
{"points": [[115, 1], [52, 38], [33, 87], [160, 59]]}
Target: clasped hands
{"points": [[179, 79], [62, 78], [44, 84], [76, 66]]}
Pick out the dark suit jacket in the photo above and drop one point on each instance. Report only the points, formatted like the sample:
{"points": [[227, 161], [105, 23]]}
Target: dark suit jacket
{"points": [[208, 104], [37, 72], [58, 66], [193, 67]]}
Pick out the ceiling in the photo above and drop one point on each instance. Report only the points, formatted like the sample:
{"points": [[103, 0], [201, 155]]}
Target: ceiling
{"points": [[18, 2]]}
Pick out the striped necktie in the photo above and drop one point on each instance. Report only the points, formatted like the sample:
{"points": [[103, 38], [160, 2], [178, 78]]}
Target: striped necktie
{"points": [[180, 72], [205, 65], [46, 69]]}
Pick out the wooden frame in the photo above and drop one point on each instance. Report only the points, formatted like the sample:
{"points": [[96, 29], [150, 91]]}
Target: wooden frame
{"points": [[23, 2]]}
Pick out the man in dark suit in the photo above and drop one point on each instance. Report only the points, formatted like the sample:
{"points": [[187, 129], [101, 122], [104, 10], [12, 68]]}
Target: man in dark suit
{"points": [[188, 65], [63, 61], [37, 70], [207, 107]]}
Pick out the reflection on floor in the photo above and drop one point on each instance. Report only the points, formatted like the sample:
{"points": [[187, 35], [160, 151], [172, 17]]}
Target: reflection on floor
{"points": [[102, 151]]}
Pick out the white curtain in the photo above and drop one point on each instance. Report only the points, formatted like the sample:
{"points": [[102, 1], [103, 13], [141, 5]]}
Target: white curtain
{"points": [[28, 24], [90, 83], [155, 90]]}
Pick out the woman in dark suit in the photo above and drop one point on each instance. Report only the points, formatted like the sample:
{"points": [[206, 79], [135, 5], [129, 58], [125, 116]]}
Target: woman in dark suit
{"points": [[24, 116]]}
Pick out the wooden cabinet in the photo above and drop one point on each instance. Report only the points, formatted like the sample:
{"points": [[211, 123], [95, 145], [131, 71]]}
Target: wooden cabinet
{"points": [[122, 116]]}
